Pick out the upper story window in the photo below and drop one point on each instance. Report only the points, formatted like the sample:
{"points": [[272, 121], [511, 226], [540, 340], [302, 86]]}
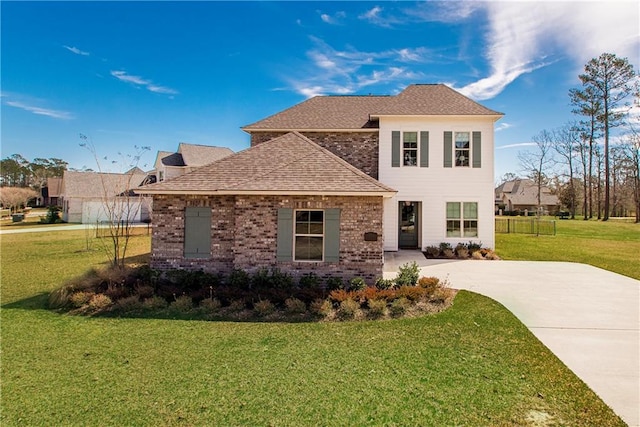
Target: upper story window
{"points": [[410, 148], [463, 149]]}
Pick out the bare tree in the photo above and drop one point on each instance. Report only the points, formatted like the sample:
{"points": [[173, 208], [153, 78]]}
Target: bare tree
{"points": [[536, 163], [118, 201], [567, 141], [610, 78], [14, 197]]}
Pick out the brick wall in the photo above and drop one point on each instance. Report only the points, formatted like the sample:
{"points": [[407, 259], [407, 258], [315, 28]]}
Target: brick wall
{"points": [[244, 231], [358, 148]]}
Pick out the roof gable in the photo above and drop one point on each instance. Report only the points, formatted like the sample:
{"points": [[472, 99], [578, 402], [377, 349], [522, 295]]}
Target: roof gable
{"points": [[96, 184], [290, 164], [362, 112], [195, 155]]}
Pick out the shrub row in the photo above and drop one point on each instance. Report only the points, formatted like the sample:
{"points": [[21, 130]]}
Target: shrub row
{"points": [[461, 251], [264, 295]]}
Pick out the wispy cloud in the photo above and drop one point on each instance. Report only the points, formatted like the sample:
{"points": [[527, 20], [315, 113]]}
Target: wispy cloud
{"points": [[518, 145], [56, 114], [140, 81], [375, 16], [349, 70], [334, 19], [525, 36], [75, 50], [503, 126]]}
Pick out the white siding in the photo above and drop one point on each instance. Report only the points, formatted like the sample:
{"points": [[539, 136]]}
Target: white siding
{"points": [[436, 185]]}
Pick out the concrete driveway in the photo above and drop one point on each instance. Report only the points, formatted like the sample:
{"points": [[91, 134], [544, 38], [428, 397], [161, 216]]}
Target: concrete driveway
{"points": [[588, 317]]}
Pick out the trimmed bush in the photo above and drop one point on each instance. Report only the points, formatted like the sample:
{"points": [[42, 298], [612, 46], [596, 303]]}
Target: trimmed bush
{"points": [[128, 305], [182, 304], [408, 274], [100, 302], [264, 308], [210, 305], [321, 307], [377, 308], [80, 298], [295, 306], [334, 283], [382, 283], [399, 307], [357, 284], [155, 303], [432, 251], [348, 309]]}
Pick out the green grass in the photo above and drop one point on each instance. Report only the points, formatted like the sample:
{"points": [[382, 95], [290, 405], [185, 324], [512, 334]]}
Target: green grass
{"points": [[473, 365], [612, 245]]}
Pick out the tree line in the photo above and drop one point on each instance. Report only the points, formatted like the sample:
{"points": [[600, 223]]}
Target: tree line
{"points": [[593, 161], [16, 171]]}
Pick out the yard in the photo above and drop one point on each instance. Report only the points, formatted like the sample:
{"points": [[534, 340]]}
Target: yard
{"points": [[474, 364], [613, 245]]}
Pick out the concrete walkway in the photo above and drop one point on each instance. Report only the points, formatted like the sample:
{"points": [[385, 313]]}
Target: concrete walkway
{"points": [[588, 317]]}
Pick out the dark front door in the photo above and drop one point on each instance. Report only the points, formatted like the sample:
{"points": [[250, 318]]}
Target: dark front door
{"points": [[408, 230]]}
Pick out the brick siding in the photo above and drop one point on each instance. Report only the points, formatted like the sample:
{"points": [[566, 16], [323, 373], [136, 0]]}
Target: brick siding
{"points": [[244, 231], [358, 148]]}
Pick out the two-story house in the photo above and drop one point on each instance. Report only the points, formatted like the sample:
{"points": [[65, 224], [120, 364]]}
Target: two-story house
{"points": [[331, 183]]}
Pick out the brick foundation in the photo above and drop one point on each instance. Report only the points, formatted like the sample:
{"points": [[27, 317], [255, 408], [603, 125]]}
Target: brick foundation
{"points": [[244, 232]]}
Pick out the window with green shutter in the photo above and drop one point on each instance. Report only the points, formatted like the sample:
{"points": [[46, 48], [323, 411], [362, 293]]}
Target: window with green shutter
{"points": [[308, 235], [197, 232]]}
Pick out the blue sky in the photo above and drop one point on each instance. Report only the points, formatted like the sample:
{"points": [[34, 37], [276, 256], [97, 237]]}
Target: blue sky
{"points": [[158, 73]]}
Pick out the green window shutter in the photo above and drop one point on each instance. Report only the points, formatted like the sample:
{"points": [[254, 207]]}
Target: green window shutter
{"points": [[284, 242], [197, 232], [332, 235], [395, 149], [424, 149], [448, 154], [477, 150]]}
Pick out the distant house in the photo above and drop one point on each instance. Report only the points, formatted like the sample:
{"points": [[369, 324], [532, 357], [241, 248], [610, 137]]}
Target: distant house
{"points": [[51, 192], [91, 197], [331, 183], [188, 157], [520, 195]]}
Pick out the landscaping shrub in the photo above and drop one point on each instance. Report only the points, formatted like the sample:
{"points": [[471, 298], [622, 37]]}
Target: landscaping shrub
{"points": [[53, 215], [357, 283], [321, 307], [462, 251], [473, 247], [295, 306], [448, 253], [377, 308], [309, 281], [99, 302], [334, 283], [80, 298], [144, 291], [155, 303], [129, 304], [210, 305], [280, 280], [264, 308], [182, 304], [348, 309], [429, 283], [382, 283], [432, 251], [239, 279], [445, 246], [408, 274], [399, 307], [477, 255], [412, 293], [340, 295]]}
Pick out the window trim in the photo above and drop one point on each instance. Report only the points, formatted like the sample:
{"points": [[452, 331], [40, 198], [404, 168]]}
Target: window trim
{"points": [[296, 235], [461, 220], [468, 150], [405, 150]]}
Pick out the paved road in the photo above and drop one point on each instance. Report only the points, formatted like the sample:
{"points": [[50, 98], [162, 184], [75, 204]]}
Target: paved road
{"points": [[588, 317]]}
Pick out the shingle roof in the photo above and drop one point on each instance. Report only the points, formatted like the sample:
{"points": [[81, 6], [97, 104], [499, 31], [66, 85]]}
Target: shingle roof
{"points": [[525, 192], [361, 112], [54, 184], [173, 159], [95, 184], [199, 155], [290, 164]]}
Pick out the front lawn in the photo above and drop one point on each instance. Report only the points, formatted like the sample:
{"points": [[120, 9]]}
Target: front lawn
{"points": [[612, 245], [474, 364]]}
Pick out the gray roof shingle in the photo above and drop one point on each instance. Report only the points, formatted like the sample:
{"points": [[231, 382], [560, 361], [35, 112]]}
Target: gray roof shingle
{"points": [[290, 164]]}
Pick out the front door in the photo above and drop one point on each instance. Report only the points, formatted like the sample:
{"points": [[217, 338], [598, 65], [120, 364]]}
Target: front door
{"points": [[408, 221]]}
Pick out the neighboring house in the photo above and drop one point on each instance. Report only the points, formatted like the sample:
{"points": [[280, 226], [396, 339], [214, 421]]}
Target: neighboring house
{"points": [[51, 192], [92, 197], [520, 195], [331, 183], [188, 157]]}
